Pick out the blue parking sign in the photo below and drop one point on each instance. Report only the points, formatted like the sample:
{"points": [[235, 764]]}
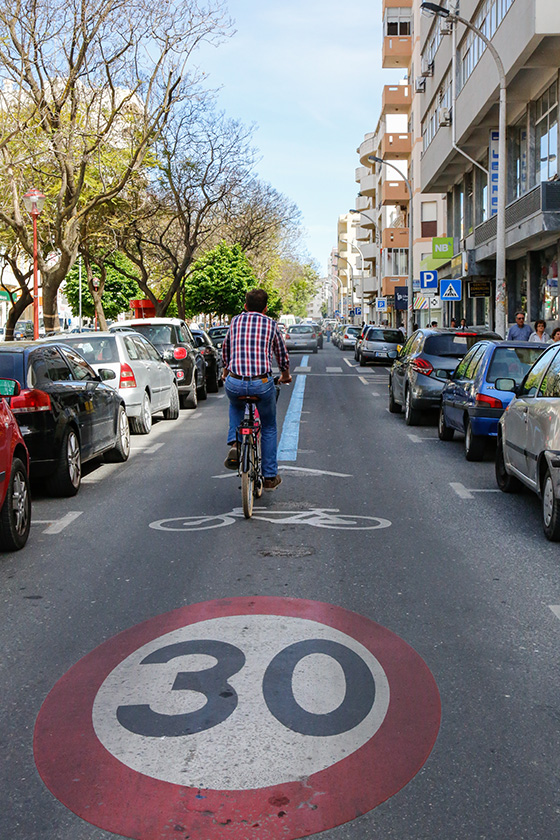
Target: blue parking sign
{"points": [[428, 280]]}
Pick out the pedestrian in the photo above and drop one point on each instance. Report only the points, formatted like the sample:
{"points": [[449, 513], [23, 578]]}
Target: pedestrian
{"points": [[433, 324], [415, 327], [520, 331], [453, 323], [539, 336], [463, 323], [555, 335]]}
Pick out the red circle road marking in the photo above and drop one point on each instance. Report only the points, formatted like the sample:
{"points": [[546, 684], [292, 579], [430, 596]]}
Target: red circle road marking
{"points": [[102, 790]]}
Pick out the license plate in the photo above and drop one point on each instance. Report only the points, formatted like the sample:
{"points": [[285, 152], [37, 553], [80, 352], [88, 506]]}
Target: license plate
{"points": [[383, 355]]}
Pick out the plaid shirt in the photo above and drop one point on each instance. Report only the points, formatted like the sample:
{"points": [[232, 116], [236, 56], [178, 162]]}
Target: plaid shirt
{"points": [[248, 347]]}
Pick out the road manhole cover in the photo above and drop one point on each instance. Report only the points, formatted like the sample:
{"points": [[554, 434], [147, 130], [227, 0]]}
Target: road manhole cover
{"points": [[295, 551]]}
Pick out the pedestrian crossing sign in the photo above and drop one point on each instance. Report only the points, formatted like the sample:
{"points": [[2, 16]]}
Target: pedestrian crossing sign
{"points": [[450, 290]]}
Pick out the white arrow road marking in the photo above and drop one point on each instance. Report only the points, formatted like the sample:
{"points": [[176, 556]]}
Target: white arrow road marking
{"points": [[464, 493], [307, 470], [556, 611], [58, 525]]}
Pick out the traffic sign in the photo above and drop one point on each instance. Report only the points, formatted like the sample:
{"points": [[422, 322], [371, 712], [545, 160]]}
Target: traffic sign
{"points": [[428, 280], [381, 304], [169, 725], [450, 290]]}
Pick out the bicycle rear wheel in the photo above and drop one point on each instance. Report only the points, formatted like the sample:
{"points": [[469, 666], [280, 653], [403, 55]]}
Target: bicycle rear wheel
{"points": [[247, 476], [259, 480]]}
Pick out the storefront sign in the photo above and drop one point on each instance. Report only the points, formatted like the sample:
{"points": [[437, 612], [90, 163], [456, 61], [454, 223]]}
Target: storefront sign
{"points": [[401, 297], [442, 247], [479, 288]]}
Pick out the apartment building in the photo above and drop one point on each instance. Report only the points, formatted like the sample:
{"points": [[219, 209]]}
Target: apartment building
{"points": [[459, 123], [348, 270]]}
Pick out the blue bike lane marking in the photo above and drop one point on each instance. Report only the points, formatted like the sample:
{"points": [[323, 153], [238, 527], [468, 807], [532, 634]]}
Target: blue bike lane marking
{"points": [[288, 446]]}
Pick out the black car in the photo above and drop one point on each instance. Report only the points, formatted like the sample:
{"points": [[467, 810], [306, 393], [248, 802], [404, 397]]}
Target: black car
{"points": [[175, 342], [217, 335], [66, 413], [212, 357]]}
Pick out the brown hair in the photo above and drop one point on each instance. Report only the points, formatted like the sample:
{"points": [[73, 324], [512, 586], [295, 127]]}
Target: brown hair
{"points": [[256, 300]]}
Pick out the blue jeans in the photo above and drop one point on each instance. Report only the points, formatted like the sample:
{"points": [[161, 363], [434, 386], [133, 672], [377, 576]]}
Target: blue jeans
{"points": [[267, 412]]}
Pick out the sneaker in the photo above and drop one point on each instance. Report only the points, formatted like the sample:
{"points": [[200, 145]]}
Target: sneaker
{"points": [[232, 461], [272, 483]]}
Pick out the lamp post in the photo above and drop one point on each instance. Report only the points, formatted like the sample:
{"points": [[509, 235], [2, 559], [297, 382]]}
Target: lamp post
{"points": [[500, 318], [410, 284], [34, 201]]}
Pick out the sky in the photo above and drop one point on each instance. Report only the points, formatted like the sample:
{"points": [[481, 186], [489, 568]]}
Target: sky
{"points": [[308, 75]]}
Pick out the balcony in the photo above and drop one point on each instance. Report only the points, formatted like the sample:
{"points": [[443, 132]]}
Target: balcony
{"points": [[397, 99], [397, 51], [396, 146], [369, 250], [394, 192], [394, 238], [396, 4], [363, 234], [361, 172], [388, 284], [368, 184], [368, 147]]}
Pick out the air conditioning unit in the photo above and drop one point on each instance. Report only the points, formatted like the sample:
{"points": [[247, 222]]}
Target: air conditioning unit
{"points": [[444, 117], [420, 84], [427, 68], [446, 26]]}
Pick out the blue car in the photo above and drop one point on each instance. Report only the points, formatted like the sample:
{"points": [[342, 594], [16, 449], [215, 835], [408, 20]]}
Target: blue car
{"points": [[470, 401]]}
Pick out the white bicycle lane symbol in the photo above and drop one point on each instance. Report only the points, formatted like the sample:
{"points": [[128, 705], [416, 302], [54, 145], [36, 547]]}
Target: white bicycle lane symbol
{"points": [[315, 517]]}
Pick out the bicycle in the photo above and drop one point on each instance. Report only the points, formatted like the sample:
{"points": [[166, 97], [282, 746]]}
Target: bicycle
{"points": [[248, 441]]}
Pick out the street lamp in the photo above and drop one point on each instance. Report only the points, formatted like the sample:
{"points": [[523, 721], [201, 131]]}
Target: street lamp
{"points": [[34, 201], [500, 317], [410, 284]]}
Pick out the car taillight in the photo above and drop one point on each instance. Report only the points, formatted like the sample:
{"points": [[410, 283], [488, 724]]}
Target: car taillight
{"points": [[127, 379], [485, 400], [422, 366], [180, 353], [30, 400], [313, 335]]}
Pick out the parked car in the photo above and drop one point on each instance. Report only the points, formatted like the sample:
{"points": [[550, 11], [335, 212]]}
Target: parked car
{"points": [[471, 402], [212, 357], [302, 337], [422, 367], [528, 445], [346, 335], [319, 332], [174, 340], [217, 335], [376, 343], [23, 330], [145, 382], [66, 413], [15, 495]]}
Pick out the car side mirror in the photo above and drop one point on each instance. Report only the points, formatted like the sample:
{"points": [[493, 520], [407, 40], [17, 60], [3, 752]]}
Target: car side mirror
{"points": [[507, 384], [105, 374], [9, 388]]}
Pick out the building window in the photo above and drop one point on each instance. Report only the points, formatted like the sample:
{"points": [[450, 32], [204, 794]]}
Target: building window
{"points": [[488, 18], [428, 213], [520, 158], [546, 134], [398, 22], [395, 262]]}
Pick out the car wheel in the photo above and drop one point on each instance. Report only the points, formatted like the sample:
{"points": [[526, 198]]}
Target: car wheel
{"points": [[506, 482], [214, 384], [474, 444], [172, 412], [190, 400], [201, 391], [445, 432], [394, 406], [550, 509], [15, 516], [411, 415], [65, 481], [119, 454], [142, 424], [361, 360]]}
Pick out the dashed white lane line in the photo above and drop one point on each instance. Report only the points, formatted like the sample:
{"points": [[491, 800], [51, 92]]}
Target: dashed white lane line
{"points": [[363, 380], [466, 493], [417, 439], [375, 394], [334, 370], [303, 369], [58, 525]]}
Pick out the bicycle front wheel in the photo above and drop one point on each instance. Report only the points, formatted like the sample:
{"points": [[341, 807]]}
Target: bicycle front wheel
{"points": [[247, 478]]}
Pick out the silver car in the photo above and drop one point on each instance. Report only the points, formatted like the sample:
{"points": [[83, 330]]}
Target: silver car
{"points": [[378, 343], [347, 335], [302, 337], [528, 448], [145, 382]]}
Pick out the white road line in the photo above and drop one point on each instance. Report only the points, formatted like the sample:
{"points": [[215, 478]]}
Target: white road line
{"points": [[555, 610], [303, 369], [58, 525], [375, 394], [349, 363], [334, 370], [363, 380], [154, 448], [304, 470], [220, 396], [416, 439], [466, 493]]}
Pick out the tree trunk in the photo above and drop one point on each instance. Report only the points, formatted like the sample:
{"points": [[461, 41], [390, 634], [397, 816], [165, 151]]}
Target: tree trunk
{"points": [[50, 308], [25, 300]]}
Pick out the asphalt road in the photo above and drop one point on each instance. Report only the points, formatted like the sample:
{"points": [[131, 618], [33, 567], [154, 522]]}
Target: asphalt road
{"points": [[460, 573]]}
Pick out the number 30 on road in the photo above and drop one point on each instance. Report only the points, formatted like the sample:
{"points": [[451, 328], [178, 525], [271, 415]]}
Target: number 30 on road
{"points": [[265, 712]]}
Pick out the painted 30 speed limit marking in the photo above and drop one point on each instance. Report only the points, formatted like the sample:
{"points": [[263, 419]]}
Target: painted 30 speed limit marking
{"points": [[263, 717]]}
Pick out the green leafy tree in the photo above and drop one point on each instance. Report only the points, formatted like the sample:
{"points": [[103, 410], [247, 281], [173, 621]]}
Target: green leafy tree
{"points": [[219, 282], [301, 283], [119, 289]]}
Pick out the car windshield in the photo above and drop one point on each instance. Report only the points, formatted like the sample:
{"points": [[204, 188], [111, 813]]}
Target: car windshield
{"points": [[218, 332], [95, 350], [157, 333], [455, 345], [391, 336], [301, 329], [513, 362], [352, 330]]}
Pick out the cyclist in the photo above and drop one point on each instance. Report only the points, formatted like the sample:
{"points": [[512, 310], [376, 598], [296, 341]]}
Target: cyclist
{"points": [[247, 356]]}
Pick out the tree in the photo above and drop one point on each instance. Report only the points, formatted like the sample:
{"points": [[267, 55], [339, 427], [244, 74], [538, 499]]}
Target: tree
{"points": [[118, 290], [90, 85], [219, 282]]}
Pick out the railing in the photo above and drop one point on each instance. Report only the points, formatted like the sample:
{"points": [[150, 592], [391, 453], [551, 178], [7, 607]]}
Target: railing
{"points": [[544, 198]]}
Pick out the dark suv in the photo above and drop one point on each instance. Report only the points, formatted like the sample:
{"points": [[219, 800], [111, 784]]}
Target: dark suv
{"points": [[212, 357], [422, 368], [175, 342]]}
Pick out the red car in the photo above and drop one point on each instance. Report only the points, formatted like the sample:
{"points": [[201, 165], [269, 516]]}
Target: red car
{"points": [[15, 495]]}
